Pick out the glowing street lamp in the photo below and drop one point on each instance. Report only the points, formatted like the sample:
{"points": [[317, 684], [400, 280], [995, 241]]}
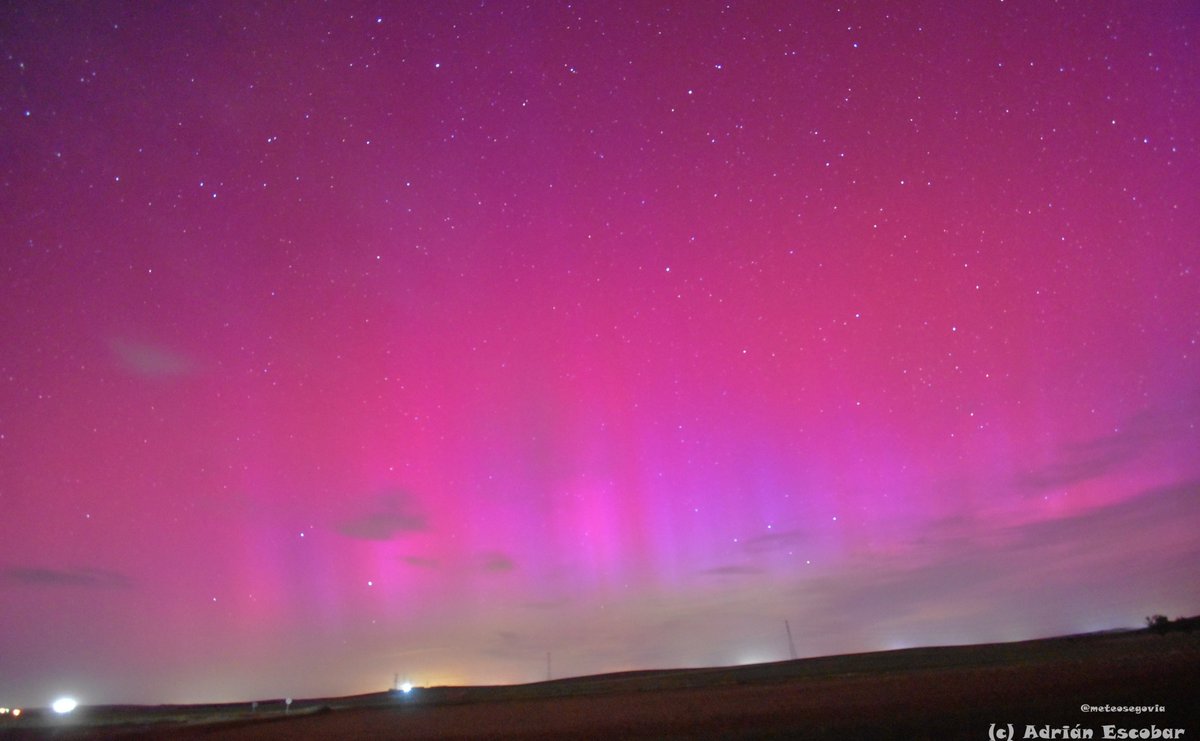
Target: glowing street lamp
{"points": [[63, 705]]}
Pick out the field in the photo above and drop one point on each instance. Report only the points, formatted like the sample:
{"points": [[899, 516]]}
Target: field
{"points": [[926, 693]]}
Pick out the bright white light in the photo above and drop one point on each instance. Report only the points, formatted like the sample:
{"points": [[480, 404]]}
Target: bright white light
{"points": [[63, 705], [406, 687]]}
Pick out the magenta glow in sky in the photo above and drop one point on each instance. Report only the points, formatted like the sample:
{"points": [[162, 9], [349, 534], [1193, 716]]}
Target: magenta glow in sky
{"points": [[351, 340]]}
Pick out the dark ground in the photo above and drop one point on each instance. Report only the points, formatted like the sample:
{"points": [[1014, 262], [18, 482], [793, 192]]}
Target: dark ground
{"points": [[929, 693]]}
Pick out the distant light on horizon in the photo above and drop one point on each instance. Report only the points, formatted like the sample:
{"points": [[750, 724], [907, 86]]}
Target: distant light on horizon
{"points": [[757, 657], [64, 705], [406, 687]]}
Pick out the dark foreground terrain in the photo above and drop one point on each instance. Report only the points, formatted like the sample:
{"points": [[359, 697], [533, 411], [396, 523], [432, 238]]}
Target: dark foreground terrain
{"points": [[928, 693]]}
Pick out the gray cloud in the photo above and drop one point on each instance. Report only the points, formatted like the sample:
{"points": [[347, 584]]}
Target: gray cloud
{"points": [[546, 604], [1074, 467], [496, 562], [393, 513], [734, 570], [1178, 502], [774, 541], [1032, 573], [43, 577], [420, 562], [151, 361], [1088, 459]]}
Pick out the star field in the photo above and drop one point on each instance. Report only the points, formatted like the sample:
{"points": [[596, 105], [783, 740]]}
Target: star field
{"points": [[341, 341]]}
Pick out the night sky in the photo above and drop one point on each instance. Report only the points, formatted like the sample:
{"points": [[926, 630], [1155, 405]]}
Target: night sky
{"points": [[345, 340]]}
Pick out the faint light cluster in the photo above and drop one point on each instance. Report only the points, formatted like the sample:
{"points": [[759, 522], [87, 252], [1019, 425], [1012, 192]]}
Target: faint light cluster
{"points": [[14, 712]]}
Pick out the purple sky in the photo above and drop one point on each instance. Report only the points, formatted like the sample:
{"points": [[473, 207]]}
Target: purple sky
{"points": [[351, 339]]}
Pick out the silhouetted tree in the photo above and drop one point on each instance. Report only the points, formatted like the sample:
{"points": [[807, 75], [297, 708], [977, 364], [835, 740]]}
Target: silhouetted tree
{"points": [[1159, 624]]}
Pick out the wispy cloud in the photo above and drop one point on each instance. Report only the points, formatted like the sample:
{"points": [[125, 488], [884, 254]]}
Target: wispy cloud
{"points": [[44, 577], [775, 541], [420, 562], [1177, 502], [552, 604], [496, 562], [150, 361], [393, 513], [1016, 575], [734, 570], [1093, 457]]}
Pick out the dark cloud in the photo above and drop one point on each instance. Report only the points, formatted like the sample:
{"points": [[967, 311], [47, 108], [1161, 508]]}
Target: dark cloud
{"points": [[1178, 502], [1039, 570], [43, 577], [420, 562], [1074, 467], [393, 513], [735, 570], [546, 604], [774, 541], [1088, 459], [496, 562], [151, 361]]}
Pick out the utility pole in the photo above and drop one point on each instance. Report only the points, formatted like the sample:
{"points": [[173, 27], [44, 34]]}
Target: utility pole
{"points": [[791, 644]]}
